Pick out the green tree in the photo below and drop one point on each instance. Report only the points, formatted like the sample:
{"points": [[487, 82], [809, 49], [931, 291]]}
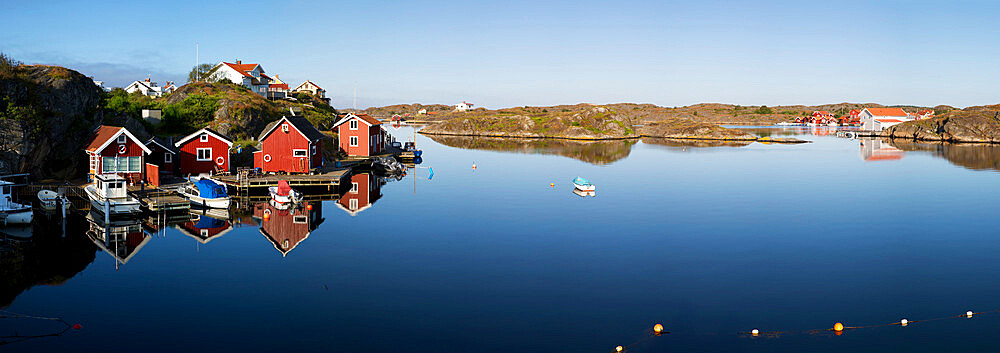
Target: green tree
{"points": [[763, 110], [200, 72]]}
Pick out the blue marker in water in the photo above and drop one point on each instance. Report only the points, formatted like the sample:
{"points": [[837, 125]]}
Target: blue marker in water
{"points": [[432, 173]]}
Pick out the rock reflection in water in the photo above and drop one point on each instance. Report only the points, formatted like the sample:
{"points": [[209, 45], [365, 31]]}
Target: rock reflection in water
{"points": [[683, 144], [967, 155], [594, 152], [45, 258]]}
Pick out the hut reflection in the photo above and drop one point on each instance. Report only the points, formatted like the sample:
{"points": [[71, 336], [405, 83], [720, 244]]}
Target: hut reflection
{"points": [[286, 227], [364, 189]]}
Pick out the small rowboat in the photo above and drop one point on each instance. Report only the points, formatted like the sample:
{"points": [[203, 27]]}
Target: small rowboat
{"points": [[284, 193], [583, 184]]}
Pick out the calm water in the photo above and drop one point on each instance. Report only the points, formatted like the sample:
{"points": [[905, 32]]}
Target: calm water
{"points": [[708, 240]]}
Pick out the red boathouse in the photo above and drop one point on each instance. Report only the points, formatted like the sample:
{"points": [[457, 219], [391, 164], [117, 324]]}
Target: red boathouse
{"points": [[204, 152], [114, 150], [360, 135], [289, 145]]}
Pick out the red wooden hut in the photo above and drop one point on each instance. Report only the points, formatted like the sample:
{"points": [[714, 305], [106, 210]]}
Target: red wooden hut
{"points": [[360, 135], [163, 154], [289, 145], [204, 152], [114, 150]]}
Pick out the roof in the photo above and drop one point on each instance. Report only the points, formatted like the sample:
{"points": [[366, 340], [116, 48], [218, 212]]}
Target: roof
{"points": [[300, 123], [368, 119], [279, 85], [162, 143], [886, 111], [888, 120], [102, 137], [309, 82], [211, 132], [242, 68]]}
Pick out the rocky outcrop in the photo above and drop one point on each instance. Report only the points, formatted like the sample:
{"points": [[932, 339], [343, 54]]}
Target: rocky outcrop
{"points": [[974, 124], [46, 113], [594, 123], [676, 128]]}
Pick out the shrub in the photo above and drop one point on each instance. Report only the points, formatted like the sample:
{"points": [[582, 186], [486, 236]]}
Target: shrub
{"points": [[763, 110]]}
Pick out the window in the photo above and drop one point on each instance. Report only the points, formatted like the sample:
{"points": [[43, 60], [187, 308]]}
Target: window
{"points": [[354, 141], [204, 137], [204, 154], [168, 157], [122, 138], [314, 149], [354, 188], [299, 219], [121, 165], [353, 204], [298, 153], [354, 124]]}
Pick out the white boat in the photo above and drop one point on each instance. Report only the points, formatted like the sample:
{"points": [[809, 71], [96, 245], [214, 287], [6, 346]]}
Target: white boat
{"points": [[284, 193], [583, 184], [788, 124], [206, 193], [110, 191], [582, 193], [50, 200], [13, 212]]}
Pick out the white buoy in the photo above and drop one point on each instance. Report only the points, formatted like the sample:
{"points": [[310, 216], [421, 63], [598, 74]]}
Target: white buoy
{"points": [[755, 332], [904, 322], [968, 314]]}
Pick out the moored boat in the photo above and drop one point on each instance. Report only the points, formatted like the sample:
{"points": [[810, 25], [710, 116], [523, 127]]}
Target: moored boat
{"points": [[109, 191], [50, 200], [583, 184], [12, 212], [283, 193], [206, 193]]}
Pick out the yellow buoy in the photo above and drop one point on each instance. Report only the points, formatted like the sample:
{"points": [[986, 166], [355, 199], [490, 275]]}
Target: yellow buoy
{"points": [[619, 349], [838, 327], [552, 185], [658, 329]]}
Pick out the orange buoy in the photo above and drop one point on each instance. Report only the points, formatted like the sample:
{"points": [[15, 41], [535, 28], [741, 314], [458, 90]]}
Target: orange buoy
{"points": [[267, 216], [658, 329], [838, 327], [619, 349], [552, 185], [309, 207]]}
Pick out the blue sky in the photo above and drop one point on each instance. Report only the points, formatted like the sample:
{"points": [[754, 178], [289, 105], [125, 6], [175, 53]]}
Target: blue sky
{"points": [[512, 53]]}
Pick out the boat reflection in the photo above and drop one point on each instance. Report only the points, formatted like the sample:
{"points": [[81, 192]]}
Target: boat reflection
{"points": [[120, 238], [365, 189], [582, 193], [966, 155], [206, 224], [594, 152], [874, 149], [286, 227]]}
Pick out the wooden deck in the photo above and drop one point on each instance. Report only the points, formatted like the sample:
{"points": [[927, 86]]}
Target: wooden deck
{"points": [[328, 177], [156, 200]]}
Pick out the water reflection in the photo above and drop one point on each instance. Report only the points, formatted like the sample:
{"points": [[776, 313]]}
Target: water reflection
{"points": [[120, 238], [206, 224], [594, 152], [684, 144], [873, 149], [47, 258], [287, 226], [967, 155], [364, 190]]}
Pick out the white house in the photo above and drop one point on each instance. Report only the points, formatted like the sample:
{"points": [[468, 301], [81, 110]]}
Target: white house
{"points": [[313, 89], [461, 107], [877, 119], [150, 88], [248, 75]]}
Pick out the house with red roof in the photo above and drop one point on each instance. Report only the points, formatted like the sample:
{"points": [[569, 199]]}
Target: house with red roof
{"points": [[878, 119], [361, 135], [115, 150], [289, 145], [203, 152], [251, 76], [464, 106]]}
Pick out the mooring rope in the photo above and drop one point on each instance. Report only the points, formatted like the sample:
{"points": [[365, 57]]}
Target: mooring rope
{"points": [[837, 329], [8, 339]]}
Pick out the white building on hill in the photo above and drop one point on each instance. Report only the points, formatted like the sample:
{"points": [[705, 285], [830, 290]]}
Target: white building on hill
{"points": [[150, 88], [461, 107], [878, 119], [251, 76]]}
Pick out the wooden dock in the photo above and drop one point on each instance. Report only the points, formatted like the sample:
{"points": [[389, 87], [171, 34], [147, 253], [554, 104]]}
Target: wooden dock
{"points": [[244, 179], [156, 200]]}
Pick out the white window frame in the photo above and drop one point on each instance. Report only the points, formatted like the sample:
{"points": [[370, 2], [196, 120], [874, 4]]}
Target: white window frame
{"points": [[300, 219], [353, 204], [354, 124], [168, 157], [353, 141], [198, 155], [203, 138], [122, 138], [354, 187], [313, 149], [295, 153]]}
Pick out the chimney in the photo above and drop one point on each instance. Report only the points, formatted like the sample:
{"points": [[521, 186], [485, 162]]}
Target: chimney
{"points": [[238, 62]]}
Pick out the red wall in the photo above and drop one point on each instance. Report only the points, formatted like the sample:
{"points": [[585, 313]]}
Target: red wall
{"points": [[363, 195], [189, 163], [132, 149], [279, 145], [156, 157], [364, 134], [280, 225]]}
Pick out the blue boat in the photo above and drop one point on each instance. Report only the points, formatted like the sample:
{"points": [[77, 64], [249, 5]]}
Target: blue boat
{"points": [[583, 184], [206, 193]]}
